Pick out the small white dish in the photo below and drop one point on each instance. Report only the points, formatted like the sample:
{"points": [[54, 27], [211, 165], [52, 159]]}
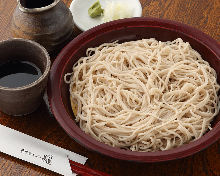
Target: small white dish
{"points": [[83, 21]]}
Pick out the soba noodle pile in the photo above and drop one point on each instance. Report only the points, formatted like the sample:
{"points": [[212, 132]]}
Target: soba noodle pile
{"points": [[144, 95]]}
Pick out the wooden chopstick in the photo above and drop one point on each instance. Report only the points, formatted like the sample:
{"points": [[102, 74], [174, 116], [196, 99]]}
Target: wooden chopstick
{"points": [[79, 171], [85, 171]]}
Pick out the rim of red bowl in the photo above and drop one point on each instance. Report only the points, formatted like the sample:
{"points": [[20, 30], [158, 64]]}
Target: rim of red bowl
{"points": [[67, 122]]}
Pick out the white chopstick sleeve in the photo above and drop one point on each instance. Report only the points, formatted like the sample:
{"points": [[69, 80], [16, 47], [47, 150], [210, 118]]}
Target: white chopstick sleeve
{"points": [[38, 152]]}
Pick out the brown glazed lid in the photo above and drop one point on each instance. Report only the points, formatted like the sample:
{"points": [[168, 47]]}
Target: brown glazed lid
{"points": [[41, 22]]}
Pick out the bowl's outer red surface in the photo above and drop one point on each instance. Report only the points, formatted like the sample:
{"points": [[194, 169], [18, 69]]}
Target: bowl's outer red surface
{"points": [[126, 30]]}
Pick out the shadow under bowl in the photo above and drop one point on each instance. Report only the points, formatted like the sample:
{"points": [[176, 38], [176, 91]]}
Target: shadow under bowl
{"points": [[128, 30]]}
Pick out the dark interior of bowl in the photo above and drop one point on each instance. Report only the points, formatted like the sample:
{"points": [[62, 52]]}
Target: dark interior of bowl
{"points": [[127, 30], [22, 50]]}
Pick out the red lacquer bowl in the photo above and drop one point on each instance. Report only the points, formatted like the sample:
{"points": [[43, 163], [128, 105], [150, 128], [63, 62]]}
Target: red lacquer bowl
{"points": [[127, 30]]}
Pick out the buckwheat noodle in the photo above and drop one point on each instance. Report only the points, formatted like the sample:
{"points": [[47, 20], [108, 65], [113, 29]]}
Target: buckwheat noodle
{"points": [[144, 95]]}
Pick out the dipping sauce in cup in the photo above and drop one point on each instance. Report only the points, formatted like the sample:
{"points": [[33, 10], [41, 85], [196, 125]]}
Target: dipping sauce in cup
{"points": [[24, 70], [18, 73]]}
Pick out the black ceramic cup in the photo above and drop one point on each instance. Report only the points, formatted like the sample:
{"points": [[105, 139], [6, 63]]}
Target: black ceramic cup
{"points": [[27, 98]]}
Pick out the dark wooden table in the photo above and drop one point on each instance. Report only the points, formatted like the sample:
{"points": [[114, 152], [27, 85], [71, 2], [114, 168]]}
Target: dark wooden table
{"points": [[202, 14]]}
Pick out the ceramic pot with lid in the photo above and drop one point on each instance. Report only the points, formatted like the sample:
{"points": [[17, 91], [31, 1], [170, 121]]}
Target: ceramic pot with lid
{"points": [[48, 22]]}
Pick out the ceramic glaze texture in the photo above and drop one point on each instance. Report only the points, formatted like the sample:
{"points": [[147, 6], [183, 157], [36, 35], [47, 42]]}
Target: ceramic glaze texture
{"points": [[49, 24], [25, 99]]}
